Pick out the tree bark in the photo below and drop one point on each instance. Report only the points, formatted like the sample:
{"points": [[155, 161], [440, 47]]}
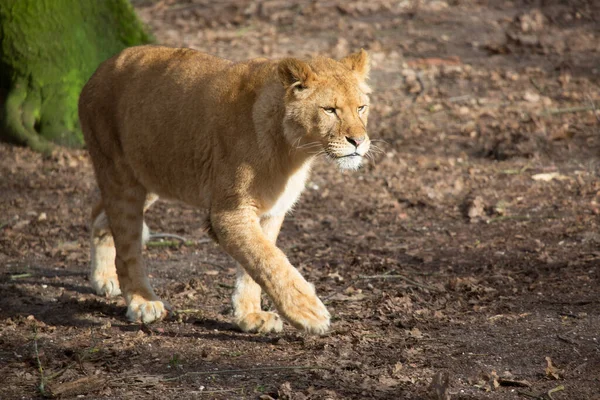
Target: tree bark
{"points": [[48, 50]]}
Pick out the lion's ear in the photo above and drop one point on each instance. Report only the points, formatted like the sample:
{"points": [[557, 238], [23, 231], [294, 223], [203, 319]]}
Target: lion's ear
{"points": [[359, 62], [293, 72]]}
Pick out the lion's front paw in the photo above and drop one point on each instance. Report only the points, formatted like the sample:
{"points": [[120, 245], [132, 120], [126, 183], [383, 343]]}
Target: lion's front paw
{"points": [[305, 311], [262, 322], [106, 285], [146, 311]]}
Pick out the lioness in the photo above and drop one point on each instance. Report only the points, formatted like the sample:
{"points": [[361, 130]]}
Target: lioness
{"points": [[237, 139]]}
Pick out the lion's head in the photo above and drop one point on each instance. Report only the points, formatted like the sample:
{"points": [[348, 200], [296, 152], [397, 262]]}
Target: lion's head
{"points": [[327, 106]]}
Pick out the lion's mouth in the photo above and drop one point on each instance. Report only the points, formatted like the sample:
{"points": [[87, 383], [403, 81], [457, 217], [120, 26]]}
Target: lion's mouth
{"points": [[355, 154]]}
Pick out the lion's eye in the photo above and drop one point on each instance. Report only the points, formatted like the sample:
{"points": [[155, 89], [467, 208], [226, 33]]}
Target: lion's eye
{"points": [[329, 110], [361, 109]]}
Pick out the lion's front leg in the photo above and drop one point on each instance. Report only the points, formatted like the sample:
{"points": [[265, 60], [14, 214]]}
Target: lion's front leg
{"points": [[241, 235], [247, 309]]}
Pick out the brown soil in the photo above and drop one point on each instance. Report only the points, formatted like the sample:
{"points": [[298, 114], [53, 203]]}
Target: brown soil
{"points": [[482, 207]]}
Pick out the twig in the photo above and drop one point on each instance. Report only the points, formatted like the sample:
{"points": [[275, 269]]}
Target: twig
{"points": [[42, 385], [201, 392], [180, 240], [556, 389], [458, 99], [402, 277], [188, 311], [567, 110], [237, 371], [352, 283], [160, 235], [166, 243], [514, 171], [509, 217], [20, 276]]}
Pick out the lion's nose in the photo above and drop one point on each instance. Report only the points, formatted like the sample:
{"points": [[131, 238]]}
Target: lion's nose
{"points": [[356, 141]]}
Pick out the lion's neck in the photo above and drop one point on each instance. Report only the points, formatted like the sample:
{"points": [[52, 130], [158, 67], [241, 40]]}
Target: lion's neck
{"points": [[276, 142]]}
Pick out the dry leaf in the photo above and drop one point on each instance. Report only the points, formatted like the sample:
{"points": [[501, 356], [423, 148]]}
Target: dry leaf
{"points": [[475, 208], [415, 333], [551, 371], [493, 381], [285, 391], [397, 368]]}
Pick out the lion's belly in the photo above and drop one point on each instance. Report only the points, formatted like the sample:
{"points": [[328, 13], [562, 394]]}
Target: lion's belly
{"points": [[290, 194]]}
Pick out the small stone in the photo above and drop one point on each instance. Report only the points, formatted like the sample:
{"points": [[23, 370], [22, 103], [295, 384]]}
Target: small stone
{"points": [[531, 97]]}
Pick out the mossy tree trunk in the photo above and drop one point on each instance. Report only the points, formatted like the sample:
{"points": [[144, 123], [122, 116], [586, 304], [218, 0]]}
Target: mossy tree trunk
{"points": [[48, 50]]}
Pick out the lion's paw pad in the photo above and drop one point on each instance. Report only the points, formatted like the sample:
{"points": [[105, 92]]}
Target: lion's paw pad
{"points": [[146, 311], [262, 322], [107, 286]]}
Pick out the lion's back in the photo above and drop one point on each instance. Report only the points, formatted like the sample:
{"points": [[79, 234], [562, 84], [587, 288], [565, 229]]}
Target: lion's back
{"points": [[146, 86], [144, 75], [143, 105]]}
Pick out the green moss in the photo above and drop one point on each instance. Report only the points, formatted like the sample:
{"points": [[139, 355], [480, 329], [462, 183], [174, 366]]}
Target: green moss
{"points": [[48, 50], [19, 115]]}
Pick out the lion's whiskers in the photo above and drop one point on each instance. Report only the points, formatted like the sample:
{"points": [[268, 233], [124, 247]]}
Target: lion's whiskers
{"points": [[308, 145], [318, 153], [293, 146], [377, 150], [380, 141]]}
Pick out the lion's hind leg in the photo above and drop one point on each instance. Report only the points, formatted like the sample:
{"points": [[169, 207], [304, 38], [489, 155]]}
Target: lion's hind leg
{"points": [[124, 200], [123, 203], [103, 271]]}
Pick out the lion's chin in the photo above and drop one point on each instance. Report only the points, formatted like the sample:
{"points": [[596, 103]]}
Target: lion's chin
{"points": [[349, 162]]}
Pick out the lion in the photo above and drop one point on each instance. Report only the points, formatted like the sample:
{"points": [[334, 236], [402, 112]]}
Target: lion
{"points": [[236, 139]]}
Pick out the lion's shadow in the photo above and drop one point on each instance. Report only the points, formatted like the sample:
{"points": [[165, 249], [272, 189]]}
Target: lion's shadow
{"points": [[30, 292]]}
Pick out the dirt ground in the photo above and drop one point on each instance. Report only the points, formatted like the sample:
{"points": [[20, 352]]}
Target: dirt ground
{"points": [[462, 262]]}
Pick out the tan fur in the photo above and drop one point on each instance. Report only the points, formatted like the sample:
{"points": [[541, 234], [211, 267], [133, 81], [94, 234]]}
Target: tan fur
{"points": [[237, 139]]}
